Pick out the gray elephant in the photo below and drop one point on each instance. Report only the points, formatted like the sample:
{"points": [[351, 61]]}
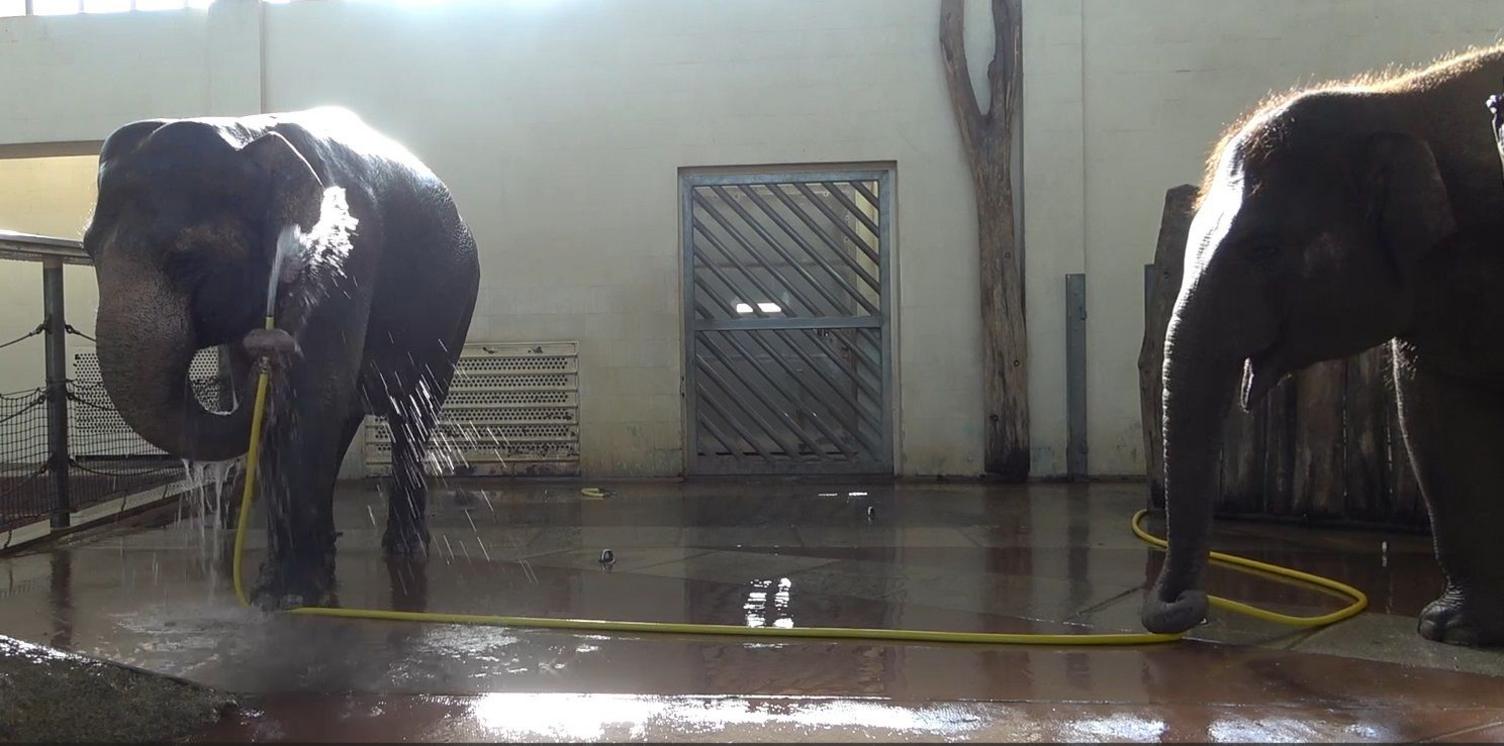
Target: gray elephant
{"points": [[376, 283], [1330, 221]]}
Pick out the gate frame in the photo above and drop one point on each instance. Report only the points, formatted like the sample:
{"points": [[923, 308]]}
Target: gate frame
{"points": [[885, 174]]}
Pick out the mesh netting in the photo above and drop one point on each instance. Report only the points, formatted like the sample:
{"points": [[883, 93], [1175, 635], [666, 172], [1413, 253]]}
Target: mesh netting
{"points": [[24, 491], [106, 459]]}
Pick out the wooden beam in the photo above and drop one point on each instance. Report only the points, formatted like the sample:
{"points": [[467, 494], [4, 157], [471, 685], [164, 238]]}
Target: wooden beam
{"points": [[987, 137]]}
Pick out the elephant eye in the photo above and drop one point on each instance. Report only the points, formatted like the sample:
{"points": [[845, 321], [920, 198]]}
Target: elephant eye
{"points": [[1262, 251]]}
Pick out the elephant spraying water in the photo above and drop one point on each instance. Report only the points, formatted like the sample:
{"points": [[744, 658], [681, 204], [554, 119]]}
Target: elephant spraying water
{"points": [[372, 298]]}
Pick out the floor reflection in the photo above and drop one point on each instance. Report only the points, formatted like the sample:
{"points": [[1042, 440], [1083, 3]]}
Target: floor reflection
{"points": [[1042, 558]]}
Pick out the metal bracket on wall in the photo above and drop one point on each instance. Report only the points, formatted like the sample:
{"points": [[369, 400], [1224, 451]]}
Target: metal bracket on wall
{"points": [[1075, 375]]}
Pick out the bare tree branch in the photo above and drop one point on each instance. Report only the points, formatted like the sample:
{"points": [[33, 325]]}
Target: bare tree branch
{"points": [[1005, 72], [963, 98]]}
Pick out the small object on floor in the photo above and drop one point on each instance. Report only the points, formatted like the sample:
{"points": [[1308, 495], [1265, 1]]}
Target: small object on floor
{"points": [[607, 557], [595, 493]]}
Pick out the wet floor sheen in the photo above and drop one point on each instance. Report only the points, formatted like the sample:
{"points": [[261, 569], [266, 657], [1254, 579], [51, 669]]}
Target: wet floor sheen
{"points": [[1045, 558]]}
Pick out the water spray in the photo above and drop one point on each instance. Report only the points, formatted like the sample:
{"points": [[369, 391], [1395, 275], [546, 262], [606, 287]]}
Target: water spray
{"points": [[287, 242]]}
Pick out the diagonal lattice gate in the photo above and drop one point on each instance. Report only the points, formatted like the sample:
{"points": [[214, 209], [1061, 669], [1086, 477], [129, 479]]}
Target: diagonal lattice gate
{"points": [[788, 288]]}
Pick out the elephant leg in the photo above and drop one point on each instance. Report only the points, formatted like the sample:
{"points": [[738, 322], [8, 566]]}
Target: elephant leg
{"points": [[407, 508], [310, 427], [1452, 431], [422, 378], [299, 479]]}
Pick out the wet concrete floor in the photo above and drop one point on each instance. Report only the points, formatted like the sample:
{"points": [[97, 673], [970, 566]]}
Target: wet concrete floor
{"points": [[958, 556]]}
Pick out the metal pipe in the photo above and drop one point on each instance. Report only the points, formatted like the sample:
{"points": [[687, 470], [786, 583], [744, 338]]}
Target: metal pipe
{"points": [[1075, 375], [31, 247], [57, 390]]}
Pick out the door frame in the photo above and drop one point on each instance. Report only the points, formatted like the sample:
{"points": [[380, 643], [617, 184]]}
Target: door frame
{"points": [[885, 174]]}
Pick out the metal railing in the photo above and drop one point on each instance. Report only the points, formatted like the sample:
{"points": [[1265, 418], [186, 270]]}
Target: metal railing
{"points": [[49, 476], [28, 247]]}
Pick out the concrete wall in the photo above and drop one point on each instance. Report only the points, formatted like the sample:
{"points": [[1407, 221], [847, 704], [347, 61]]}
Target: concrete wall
{"points": [[75, 78], [562, 127], [50, 196]]}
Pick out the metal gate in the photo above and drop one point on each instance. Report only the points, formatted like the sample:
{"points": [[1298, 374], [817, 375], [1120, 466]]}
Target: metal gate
{"points": [[787, 290]]}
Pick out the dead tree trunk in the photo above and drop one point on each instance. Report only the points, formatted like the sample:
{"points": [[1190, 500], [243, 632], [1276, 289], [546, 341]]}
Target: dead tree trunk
{"points": [[1169, 256], [988, 140]]}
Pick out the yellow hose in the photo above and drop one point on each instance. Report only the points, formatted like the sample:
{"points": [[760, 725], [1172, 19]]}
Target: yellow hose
{"points": [[1359, 600], [252, 461]]}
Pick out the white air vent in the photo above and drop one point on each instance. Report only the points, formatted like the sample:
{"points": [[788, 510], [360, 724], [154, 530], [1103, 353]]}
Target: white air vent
{"points": [[512, 409], [95, 428]]}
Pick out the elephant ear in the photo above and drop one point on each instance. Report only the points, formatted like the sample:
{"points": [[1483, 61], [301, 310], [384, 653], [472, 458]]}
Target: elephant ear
{"points": [[126, 139], [295, 192], [1408, 201]]}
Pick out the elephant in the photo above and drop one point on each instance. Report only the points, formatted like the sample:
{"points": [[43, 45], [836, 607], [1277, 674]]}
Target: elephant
{"points": [[1332, 220], [375, 282]]}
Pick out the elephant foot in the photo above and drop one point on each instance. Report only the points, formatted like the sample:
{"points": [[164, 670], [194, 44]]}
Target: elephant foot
{"points": [[281, 588], [1186, 610], [1463, 618], [406, 541]]}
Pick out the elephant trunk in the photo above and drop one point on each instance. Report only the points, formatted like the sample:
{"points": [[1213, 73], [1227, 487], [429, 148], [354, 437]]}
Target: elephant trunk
{"points": [[1201, 376], [146, 343]]}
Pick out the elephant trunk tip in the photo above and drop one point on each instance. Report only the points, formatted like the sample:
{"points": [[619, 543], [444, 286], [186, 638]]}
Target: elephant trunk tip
{"points": [[1185, 611]]}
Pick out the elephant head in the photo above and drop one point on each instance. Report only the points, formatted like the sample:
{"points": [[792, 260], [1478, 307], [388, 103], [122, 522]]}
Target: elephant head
{"points": [[182, 240], [1311, 227]]}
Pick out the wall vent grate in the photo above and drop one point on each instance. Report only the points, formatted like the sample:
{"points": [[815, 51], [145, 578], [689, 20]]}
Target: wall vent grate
{"points": [[512, 410]]}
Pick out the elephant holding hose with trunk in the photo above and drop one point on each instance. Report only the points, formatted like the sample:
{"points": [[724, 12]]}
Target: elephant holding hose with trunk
{"points": [[375, 283], [1332, 220]]}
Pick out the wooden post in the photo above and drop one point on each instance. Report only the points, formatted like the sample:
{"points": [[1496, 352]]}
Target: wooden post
{"points": [[1159, 301], [1367, 444], [1279, 450], [1407, 506], [988, 140], [1319, 490], [1242, 460]]}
